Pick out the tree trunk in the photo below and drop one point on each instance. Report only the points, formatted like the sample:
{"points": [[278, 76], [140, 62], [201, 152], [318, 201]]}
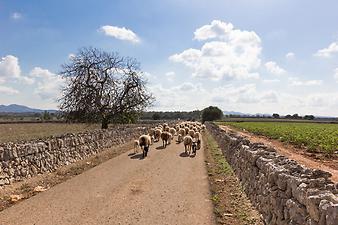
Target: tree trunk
{"points": [[104, 124]]}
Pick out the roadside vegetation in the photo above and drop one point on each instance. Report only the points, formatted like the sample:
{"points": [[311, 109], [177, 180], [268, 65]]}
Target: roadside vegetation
{"points": [[315, 137], [231, 205]]}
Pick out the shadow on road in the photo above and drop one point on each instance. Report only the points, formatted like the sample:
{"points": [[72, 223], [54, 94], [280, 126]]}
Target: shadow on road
{"points": [[160, 147], [183, 154], [138, 156], [193, 155]]}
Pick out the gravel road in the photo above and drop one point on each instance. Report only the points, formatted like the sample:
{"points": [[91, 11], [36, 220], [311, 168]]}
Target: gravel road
{"points": [[165, 188]]}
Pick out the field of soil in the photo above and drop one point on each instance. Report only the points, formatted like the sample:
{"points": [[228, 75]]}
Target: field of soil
{"points": [[27, 131], [311, 160]]}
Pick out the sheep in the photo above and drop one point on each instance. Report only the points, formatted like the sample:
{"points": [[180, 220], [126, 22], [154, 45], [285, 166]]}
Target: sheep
{"points": [[197, 135], [167, 128], [136, 146], [151, 131], [157, 134], [144, 141], [179, 138], [182, 132], [177, 128], [203, 127], [187, 140], [170, 138], [186, 130], [191, 133], [172, 131], [165, 136]]}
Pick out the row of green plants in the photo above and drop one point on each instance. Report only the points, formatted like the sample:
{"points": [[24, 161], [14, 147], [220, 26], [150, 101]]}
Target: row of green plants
{"points": [[314, 137]]}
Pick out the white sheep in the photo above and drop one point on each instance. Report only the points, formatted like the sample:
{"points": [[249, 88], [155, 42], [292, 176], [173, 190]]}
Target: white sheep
{"points": [[157, 134], [179, 138], [191, 133], [187, 140], [197, 135], [136, 146], [165, 136], [145, 142], [172, 131]]}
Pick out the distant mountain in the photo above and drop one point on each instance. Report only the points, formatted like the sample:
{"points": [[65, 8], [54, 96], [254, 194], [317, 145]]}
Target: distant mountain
{"points": [[245, 114], [14, 108], [234, 113]]}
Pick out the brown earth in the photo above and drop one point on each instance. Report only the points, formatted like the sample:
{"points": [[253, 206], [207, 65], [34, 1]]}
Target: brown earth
{"points": [[165, 188], [311, 160]]}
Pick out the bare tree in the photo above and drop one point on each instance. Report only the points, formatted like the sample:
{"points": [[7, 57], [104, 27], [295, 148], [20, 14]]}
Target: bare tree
{"points": [[102, 86]]}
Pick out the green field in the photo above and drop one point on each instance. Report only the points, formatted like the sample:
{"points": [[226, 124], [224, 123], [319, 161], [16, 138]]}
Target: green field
{"points": [[314, 136]]}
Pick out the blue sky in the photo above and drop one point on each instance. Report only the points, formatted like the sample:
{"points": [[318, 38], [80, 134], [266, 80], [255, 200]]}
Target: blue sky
{"points": [[250, 56]]}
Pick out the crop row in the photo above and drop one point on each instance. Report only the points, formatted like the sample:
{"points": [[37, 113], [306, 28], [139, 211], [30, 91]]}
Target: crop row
{"points": [[315, 137]]}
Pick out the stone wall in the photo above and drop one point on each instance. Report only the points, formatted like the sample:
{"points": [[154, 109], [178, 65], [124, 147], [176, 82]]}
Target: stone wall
{"points": [[26, 159], [284, 191]]}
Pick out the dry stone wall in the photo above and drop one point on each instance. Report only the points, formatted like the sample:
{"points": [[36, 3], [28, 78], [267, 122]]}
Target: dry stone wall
{"points": [[26, 159], [284, 191]]}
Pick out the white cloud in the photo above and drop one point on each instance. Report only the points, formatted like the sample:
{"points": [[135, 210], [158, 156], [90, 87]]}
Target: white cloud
{"points": [[8, 90], [217, 29], [16, 16], [71, 56], [234, 55], [295, 81], [170, 75], [290, 55], [48, 83], [9, 67], [10, 70], [271, 81], [327, 52], [120, 33], [273, 68], [335, 76]]}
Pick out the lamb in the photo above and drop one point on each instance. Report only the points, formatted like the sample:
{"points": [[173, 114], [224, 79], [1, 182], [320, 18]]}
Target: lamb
{"points": [[186, 130], [170, 138], [165, 136], [191, 133], [157, 134], [145, 141], [187, 140], [197, 135], [182, 132], [136, 146], [172, 131], [179, 138]]}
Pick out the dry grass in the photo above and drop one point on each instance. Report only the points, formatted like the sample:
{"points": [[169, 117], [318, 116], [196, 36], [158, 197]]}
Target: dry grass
{"points": [[231, 205], [27, 131]]}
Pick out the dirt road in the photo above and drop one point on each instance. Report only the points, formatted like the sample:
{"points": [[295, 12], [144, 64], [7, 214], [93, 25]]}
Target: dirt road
{"points": [[165, 188]]}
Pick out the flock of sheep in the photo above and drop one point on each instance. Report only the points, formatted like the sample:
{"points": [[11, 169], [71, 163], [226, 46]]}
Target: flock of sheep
{"points": [[187, 132]]}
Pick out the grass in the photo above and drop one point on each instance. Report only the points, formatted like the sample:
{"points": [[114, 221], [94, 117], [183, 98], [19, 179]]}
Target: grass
{"points": [[231, 205], [27, 131], [314, 137]]}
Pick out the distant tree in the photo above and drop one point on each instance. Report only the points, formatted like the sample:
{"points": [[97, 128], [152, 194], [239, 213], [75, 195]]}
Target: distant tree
{"points": [[295, 116], [45, 115], [102, 87], [275, 115], [309, 117], [156, 116], [211, 113], [288, 116]]}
